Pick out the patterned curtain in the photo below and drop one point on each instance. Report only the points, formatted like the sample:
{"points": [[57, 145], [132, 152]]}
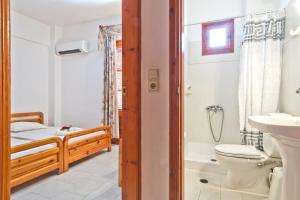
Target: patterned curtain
{"points": [[260, 72], [107, 42]]}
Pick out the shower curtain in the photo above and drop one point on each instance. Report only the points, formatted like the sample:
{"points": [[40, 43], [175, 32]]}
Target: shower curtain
{"points": [[260, 72], [107, 42]]}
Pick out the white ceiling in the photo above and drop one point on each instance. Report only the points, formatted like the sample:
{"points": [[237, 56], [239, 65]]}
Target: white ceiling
{"points": [[65, 12]]}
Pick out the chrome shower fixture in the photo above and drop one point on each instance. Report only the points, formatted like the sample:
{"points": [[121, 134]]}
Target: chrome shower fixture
{"points": [[214, 108], [298, 91], [211, 112]]}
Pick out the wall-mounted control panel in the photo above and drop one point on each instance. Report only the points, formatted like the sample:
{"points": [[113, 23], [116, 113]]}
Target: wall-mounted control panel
{"points": [[153, 80]]}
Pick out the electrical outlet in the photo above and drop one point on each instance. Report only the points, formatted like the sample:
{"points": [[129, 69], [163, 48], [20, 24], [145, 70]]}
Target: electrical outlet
{"points": [[153, 80]]}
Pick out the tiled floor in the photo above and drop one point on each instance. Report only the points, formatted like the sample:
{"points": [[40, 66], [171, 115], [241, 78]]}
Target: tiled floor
{"points": [[213, 190], [95, 178]]}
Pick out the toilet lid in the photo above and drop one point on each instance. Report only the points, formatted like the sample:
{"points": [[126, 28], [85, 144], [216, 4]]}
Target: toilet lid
{"points": [[238, 151]]}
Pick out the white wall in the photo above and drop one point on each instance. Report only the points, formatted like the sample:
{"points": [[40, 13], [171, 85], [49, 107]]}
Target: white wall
{"points": [[258, 6], [214, 79], [30, 64], [155, 107], [208, 10], [155, 174], [290, 101], [284, 3], [82, 76], [68, 89], [55, 79]]}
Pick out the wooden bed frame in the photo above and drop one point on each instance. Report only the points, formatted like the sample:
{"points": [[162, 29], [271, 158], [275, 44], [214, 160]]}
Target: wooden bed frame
{"points": [[74, 151], [28, 117], [69, 151], [28, 167]]}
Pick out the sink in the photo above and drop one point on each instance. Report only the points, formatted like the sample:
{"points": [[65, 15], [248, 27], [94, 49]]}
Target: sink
{"points": [[286, 126], [286, 130]]}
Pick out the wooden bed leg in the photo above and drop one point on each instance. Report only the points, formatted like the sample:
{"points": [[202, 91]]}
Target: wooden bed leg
{"points": [[66, 165], [61, 167], [110, 137], [60, 171], [61, 159], [66, 155], [66, 168]]}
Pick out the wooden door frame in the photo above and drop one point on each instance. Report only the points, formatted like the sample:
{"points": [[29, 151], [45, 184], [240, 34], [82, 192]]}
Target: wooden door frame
{"points": [[131, 113], [5, 99], [176, 190], [131, 12]]}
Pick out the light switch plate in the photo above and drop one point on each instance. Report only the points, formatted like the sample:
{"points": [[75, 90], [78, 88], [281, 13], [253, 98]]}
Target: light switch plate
{"points": [[153, 80]]}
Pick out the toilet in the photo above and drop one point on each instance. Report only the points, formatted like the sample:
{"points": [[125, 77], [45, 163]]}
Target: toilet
{"points": [[248, 169]]}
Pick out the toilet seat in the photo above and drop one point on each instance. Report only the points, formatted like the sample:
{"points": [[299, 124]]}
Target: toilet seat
{"points": [[239, 151]]}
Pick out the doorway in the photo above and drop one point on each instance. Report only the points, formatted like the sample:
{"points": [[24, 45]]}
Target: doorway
{"points": [[131, 167], [219, 105]]}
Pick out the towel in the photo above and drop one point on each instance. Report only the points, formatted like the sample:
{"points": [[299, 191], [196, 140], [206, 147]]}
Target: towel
{"points": [[66, 132]]}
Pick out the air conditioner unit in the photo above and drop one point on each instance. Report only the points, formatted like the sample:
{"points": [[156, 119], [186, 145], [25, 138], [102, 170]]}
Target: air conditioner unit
{"points": [[72, 47]]}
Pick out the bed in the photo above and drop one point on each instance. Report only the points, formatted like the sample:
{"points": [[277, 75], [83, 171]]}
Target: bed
{"points": [[31, 159], [76, 149], [75, 146]]}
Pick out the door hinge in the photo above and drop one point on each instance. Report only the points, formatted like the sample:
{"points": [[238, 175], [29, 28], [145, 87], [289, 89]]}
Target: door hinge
{"points": [[124, 97], [179, 91], [124, 90]]}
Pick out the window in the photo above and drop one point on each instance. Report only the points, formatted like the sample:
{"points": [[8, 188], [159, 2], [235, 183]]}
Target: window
{"points": [[119, 72], [218, 37]]}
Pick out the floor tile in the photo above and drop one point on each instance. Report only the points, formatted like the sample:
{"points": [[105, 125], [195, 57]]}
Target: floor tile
{"points": [[92, 178], [111, 193], [67, 196], [252, 197], [51, 188], [29, 196], [213, 190], [225, 195]]}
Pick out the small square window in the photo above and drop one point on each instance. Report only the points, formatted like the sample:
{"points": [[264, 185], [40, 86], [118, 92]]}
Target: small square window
{"points": [[218, 37]]}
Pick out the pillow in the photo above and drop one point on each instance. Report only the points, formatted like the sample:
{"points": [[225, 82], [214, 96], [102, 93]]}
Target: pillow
{"points": [[26, 126]]}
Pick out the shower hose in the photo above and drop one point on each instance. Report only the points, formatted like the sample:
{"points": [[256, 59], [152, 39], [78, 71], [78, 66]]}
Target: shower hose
{"points": [[211, 111]]}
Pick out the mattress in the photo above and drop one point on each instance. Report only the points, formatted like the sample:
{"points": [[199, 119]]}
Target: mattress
{"points": [[41, 134], [16, 142]]}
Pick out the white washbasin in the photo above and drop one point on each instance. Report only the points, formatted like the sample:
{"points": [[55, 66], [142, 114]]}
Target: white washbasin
{"points": [[287, 126], [286, 130]]}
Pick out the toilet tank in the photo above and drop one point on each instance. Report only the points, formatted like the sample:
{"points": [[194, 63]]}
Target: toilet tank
{"points": [[270, 146]]}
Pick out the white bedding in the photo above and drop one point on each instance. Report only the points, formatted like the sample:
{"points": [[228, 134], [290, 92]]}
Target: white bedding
{"points": [[16, 142], [47, 133], [34, 135]]}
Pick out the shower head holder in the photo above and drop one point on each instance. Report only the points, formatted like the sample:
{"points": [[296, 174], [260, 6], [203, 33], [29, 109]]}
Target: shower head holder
{"points": [[214, 108]]}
